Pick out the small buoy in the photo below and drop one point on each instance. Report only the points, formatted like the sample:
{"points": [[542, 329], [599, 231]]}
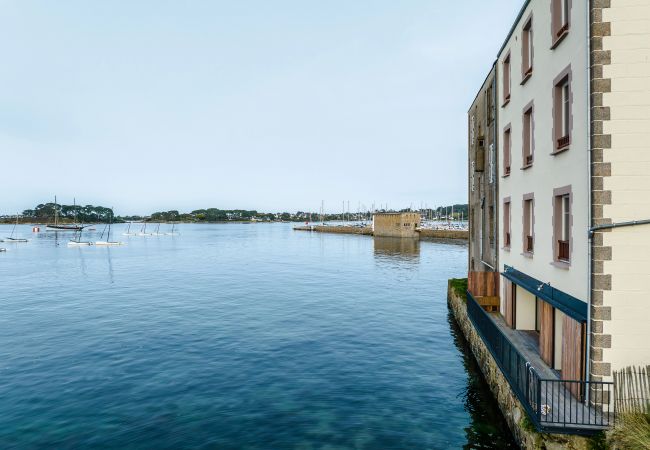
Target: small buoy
{"points": [[36, 230]]}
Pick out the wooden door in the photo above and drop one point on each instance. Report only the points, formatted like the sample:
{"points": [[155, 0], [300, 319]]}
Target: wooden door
{"points": [[547, 333], [573, 351]]}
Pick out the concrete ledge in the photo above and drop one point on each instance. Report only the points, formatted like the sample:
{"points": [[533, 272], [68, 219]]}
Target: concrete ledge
{"points": [[424, 234], [444, 234], [335, 229]]}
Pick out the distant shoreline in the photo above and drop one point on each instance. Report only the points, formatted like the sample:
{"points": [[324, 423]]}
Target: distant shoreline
{"points": [[10, 221]]}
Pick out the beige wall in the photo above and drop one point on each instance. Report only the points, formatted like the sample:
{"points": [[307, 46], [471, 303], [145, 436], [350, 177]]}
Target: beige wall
{"points": [[396, 225], [525, 310], [548, 171], [622, 315]]}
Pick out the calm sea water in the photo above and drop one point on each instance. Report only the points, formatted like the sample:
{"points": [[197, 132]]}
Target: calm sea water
{"points": [[250, 336]]}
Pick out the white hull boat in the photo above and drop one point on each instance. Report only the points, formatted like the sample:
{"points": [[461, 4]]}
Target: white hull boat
{"points": [[79, 244], [108, 242], [13, 240]]}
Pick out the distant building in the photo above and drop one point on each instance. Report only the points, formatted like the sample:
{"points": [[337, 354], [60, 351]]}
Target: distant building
{"points": [[399, 224], [482, 177]]}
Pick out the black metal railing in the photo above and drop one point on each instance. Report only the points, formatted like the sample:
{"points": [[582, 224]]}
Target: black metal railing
{"points": [[554, 405]]}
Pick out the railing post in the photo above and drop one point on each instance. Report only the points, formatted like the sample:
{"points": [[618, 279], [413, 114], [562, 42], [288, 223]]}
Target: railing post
{"points": [[528, 382], [539, 399]]}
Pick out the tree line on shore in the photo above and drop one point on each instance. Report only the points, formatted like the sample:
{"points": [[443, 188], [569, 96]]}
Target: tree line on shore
{"points": [[45, 213]]}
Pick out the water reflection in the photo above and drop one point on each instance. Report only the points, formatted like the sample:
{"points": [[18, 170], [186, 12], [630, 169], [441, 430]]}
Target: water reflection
{"points": [[488, 428], [397, 249]]}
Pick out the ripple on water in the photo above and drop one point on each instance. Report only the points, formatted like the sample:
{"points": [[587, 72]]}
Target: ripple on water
{"points": [[238, 336]]}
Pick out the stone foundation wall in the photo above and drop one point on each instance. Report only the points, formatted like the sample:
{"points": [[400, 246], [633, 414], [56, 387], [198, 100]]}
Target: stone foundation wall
{"points": [[512, 409], [335, 229], [444, 234]]}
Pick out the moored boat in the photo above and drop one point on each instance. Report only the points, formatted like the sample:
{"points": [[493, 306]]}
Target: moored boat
{"points": [[56, 226], [11, 237], [108, 241]]}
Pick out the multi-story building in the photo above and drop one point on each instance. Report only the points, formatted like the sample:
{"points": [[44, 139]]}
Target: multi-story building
{"points": [[482, 178], [572, 139]]}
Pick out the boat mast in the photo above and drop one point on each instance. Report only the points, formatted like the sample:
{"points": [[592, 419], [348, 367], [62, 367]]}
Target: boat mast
{"points": [[56, 212], [110, 220], [14, 228]]}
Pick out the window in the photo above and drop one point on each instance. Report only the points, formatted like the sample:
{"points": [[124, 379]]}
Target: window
{"points": [[562, 224], [506, 79], [560, 20], [529, 224], [528, 137], [507, 142], [489, 104], [562, 111], [527, 50], [506, 223]]}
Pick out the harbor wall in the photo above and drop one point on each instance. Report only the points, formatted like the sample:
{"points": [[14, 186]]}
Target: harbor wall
{"points": [[423, 233], [520, 425], [335, 229], [444, 234]]}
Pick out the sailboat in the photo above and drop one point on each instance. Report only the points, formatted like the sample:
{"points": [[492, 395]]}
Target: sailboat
{"points": [[77, 242], [128, 231], [172, 232], [157, 232], [56, 226], [108, 235], [143, 230], [11, 238]]}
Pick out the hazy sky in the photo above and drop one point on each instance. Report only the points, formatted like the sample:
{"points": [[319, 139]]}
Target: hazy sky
{"points": [[268, 105]]}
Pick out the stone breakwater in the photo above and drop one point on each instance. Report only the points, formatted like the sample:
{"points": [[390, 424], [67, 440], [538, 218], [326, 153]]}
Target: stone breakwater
{"points": [[511, 408], [335, 229], [424, 233]]}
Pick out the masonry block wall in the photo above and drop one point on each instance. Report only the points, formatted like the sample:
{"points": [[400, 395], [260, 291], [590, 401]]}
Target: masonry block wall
{"points": [[620, 127]]}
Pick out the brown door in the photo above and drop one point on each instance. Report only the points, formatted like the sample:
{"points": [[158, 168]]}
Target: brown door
{"points": [[511, 303], [573, 351], [547, 333]]}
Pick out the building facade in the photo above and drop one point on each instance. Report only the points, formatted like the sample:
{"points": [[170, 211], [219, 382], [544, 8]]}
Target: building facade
{"points": [[544, 180], [482, 178], [620, 167], [573, 200]]}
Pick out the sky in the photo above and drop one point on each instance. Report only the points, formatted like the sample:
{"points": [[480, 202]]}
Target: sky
{"points": [[254, 104]]}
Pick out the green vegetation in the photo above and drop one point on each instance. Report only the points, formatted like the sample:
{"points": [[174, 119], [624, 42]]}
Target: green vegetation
{"points": [[632, 431], [44, 213], [598, 442], [526, 423], [67, 213], [459, 286]]}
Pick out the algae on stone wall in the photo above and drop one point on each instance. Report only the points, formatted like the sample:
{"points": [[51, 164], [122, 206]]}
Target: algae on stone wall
{"points": [[459, 286]]}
